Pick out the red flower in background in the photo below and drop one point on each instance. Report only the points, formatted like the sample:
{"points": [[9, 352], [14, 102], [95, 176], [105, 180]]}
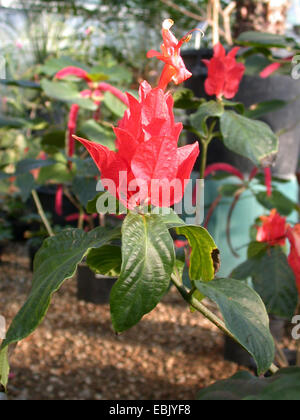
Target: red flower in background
{"points": [[170, 54], [273, 230], [147, 139], [224, 73], [73, 71], [293, 235], [95, 93]]}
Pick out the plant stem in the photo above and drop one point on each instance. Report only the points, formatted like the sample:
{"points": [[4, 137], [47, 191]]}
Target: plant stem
{"points": [[206, 312], [81, 218], [203, 157], [42, 213]]}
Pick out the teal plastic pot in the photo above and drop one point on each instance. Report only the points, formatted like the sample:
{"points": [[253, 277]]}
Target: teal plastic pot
{"points": [[245, 213]]}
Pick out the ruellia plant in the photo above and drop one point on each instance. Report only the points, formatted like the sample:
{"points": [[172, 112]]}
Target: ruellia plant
{"points": [[145, 176]]}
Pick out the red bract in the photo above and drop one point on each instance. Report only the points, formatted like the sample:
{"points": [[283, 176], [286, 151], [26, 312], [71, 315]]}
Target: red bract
{"points": [[225, 167], [174, 69], [270, 69], [268, 181], [224, 73], [72, 123], [273, 230], [73, 71], [293, 235], [147, 139]]}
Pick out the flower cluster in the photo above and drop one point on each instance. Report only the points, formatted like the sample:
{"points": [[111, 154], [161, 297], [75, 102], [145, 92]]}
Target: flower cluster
{"points": [[224, 73], [146, 140]]}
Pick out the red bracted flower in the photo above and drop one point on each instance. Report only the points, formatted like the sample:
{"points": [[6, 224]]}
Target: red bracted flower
{"points": [[215, 167], [273, 230], [147, 139], [273, 67], [224, 73], [270, 69], [293, 235], [59, 200], [72, 123], [170, 54], [106, 87], [268, 181], [73, 71]]}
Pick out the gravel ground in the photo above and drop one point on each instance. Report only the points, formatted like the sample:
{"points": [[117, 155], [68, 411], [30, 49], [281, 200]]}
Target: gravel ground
{"points": [[75, 354]]}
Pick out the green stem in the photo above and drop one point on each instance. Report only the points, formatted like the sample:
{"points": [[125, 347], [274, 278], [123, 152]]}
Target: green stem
{"points": [[206, 312], [203, 157], [42, 213]]}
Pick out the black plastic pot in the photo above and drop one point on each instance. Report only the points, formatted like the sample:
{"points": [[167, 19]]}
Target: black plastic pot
{"points": [[18, 228], [93, 287], [254, 89]]}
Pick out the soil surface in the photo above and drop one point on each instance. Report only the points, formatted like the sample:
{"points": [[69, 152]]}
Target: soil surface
{"points": [[74, 354]]}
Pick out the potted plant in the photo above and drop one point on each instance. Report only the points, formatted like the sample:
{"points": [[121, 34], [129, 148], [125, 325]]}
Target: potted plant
{"points": [[148, 152]]}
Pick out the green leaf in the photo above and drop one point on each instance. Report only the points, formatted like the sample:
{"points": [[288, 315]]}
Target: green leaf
{"points": [[53, 141], [229, 190], [114, 104], [119, 208], [98, 77], [283, 386], [58, 172], [262, 38], [26, 165], [85, 167], [13, 122], [116, 73], [66, 92], [148, 260], [26, 184], [258, 110], [274, 281], [202, 264], [20, 83], [245, 317], [249, 138], [185, 99], [272, 278], [257, 249], [91, 206], [54, 263], [238, 106], [99, 133], [106, 260], [171, 219], [52, 66], [245, 270], [205, 111], [277, 200], [84, 189]]}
